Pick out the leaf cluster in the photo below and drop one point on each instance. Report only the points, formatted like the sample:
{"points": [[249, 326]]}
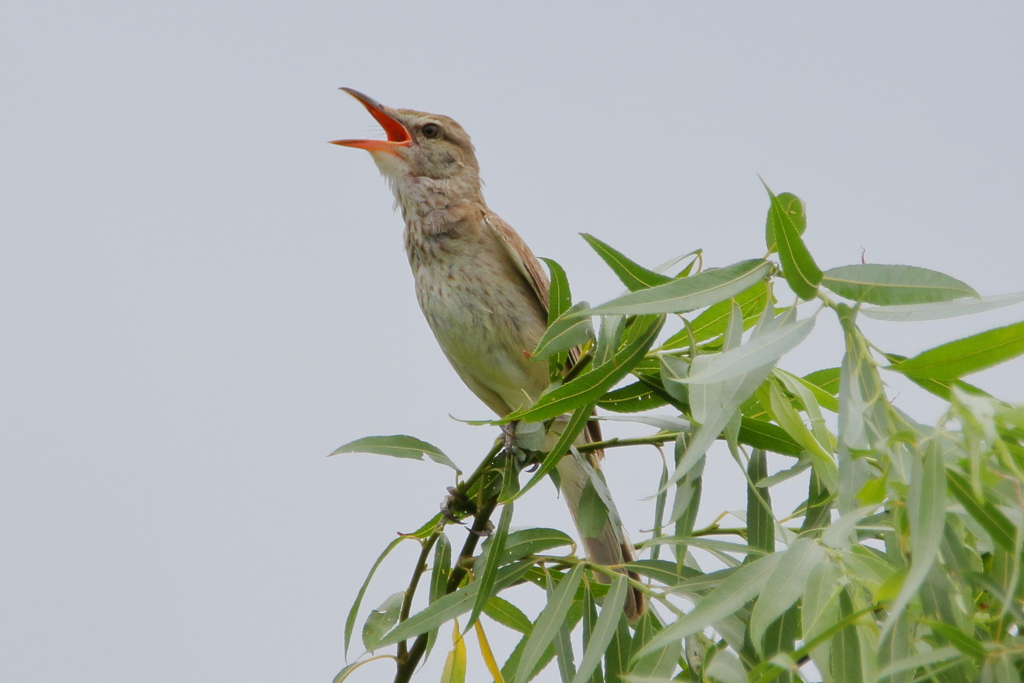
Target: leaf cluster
{"points": [[903, 562]]}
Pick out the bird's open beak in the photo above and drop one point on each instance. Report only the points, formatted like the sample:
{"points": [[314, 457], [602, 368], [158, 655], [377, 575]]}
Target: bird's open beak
{"points": [[398, 135]]}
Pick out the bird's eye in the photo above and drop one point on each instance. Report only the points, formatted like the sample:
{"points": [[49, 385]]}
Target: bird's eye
{"points": [[431, 130]]}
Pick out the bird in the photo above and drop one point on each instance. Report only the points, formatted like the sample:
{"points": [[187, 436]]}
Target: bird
{"points": [[481, 289]]}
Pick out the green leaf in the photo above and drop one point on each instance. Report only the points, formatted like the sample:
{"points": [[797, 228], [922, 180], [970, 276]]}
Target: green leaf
{"points": [[760, 522], [963, 642], [788, 581], [785, 219], [800, 387], [382, 619], [888, 285], [914, 662], [617, 654], [565, 333], [559, 295], [955, 359], [632, 274], [549, 622], [563, 645], [942, 309], [350, 620], [726, 668], [450, 606], [847, 651], [439, 573], [398, 446], [505, 613], [767, 348], [983, 512], [663, 571], [589, 387], [793, 207], [820, 609], [632, 398], [660, 663], [690, 293], [604, 629], [495, 553], [511, 666], [827, 379], [926, 512], [526, 542], [787, 418], [769, 437], [712, 322], [741, 587]]}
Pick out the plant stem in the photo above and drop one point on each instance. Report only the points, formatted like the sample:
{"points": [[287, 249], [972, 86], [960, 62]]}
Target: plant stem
{"points": [[655, 440], [407, 664], [417, 572]]}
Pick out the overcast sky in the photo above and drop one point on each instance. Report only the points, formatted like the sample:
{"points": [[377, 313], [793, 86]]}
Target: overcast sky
{"points": [[200, 298]]}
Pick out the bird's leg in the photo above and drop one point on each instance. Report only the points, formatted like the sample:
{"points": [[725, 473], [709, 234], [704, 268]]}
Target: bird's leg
{"points": [[453, 499], [524, 441]]}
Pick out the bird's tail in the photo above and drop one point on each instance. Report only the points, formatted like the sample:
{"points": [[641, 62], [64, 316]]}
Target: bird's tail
{"points": [[609, 545]]}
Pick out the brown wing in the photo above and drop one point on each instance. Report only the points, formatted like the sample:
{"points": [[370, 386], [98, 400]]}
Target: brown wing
{"points": [[533, 272]]}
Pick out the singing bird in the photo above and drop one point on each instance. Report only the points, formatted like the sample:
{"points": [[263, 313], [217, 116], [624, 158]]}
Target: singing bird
{"points": [[483, 292]]}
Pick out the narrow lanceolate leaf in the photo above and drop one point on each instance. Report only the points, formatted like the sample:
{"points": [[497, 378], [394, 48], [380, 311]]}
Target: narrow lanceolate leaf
{"points": [[787, 583], [632, 274], [847, 663], [350, 621], [495, 551], [760, 520], [964, 642], [787, 417], [689, 293], [802, 274], [398, 446], [450, 606], [741, 586], [604, 629], [549, 622], [998, 526], [507, 614], [767, 348], [888, 285], [588, 388], [965, 356], [527, 542], [565, 332], [559, 295], [439, 573], [487, 654], [926, 512], [455, 665], [939, 654], [942, 309], [348, 670], [713, 321], [382, 619], [765, 435]]}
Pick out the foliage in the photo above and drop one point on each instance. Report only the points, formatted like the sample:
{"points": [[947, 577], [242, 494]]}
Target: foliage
{"points": [[902, 564]]}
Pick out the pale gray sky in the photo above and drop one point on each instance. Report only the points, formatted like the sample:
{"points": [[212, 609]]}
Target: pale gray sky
{"points": [[201, 298]]}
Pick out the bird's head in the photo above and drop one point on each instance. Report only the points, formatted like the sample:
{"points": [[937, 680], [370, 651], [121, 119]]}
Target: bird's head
{"points": [[419, 145]]}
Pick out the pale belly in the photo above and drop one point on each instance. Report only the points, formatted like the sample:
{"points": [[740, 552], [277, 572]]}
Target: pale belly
{"points": [[487, 323]]}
